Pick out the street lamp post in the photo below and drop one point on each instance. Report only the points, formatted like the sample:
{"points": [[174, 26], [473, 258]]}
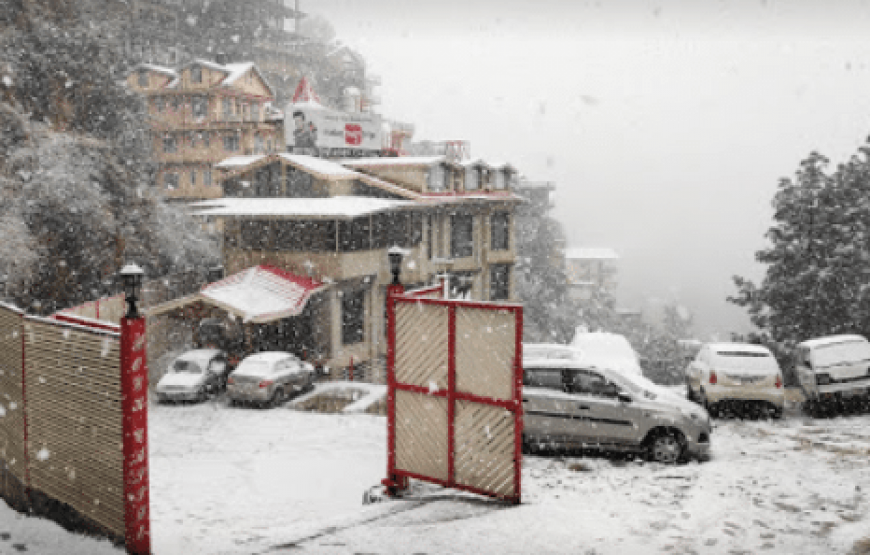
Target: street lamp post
{"points": [[132, 275]]}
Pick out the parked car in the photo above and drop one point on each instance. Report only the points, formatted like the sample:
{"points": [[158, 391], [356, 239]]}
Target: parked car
{"points": [[551, 350], [569, 404], [741, 375], [269, 377], [194, 376], [833, 370]]}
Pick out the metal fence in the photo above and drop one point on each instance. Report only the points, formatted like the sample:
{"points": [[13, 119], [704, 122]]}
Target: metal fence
{"points": [[67, 413], [455, 394]]}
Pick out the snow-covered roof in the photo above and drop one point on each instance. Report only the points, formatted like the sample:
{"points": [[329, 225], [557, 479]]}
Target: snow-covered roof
{"points": [[199, 355], [394, 161], [234, 71], [608, 350], [343, 207], [159, 69], [319, 166], [235, 162], [739, 347], [831, 339], [587, 253], [270, 356]]}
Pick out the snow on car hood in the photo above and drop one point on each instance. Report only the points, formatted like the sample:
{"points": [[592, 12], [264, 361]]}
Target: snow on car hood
{"points": [[178, 379]]}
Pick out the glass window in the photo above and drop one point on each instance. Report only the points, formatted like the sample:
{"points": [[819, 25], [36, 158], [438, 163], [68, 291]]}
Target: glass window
{"points": [[499, 282], [500, 181], [472, 179], [170, 180], [354, 235], [550, 378], [255, 235], [177, 103], [159, 104], [255, 112], [586, 382], [200, 107], [461, 236], [170, 143], [196, 74], [352, 317], [437, 178], [226, 107], [205, 136], [193, 177], [143, 78], [206, 178], [231, 142], [500, 231]]}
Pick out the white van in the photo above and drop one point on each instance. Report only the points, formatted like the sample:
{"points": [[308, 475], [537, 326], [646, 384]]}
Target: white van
{"points": [[833, 369]]}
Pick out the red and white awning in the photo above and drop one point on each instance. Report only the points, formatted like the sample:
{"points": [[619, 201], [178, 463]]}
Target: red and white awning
{"points": [[258, 295]]}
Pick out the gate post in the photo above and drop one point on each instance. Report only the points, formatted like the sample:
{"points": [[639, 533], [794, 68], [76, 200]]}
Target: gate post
{"points": [[134, 402], [393, 483]]}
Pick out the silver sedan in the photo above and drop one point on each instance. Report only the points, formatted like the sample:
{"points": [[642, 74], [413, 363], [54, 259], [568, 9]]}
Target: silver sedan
{"points": [[269, 378]]}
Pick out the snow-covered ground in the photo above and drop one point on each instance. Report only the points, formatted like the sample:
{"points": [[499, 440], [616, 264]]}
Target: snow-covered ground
{"points": [[241, 481]]}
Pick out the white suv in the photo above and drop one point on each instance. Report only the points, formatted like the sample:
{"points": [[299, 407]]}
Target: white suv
{"points": [[739, 374]]}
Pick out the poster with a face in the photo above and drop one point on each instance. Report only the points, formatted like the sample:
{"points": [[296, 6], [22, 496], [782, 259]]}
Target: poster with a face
{"points": [[309, 125]]}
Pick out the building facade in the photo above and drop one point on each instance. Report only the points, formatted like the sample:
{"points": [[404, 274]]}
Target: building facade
{"points": [[202, 113], [334, 223], [590, 271]]}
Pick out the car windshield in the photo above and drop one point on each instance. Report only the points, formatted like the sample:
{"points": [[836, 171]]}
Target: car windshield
{"points": [[637, 384], [186, 367], [841, 353]]}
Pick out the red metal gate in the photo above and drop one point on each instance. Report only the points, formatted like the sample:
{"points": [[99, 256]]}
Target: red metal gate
{"points": [[454, 393]]}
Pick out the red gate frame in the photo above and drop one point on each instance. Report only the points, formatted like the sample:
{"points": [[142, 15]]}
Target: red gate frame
{"points": [[397, 479]]}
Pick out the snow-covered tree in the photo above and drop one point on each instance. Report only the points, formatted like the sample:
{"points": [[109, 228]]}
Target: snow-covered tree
{"points": [[817, 280], [75, 168]]}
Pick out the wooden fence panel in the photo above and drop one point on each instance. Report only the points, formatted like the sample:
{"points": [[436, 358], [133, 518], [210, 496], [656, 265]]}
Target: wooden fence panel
{"points": [[421, 345], [421, 434], [485, 352], [75, 418], [485, 448]]}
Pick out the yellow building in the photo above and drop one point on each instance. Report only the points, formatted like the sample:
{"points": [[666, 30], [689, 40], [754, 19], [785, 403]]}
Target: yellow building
{"points": [[202, 113]]}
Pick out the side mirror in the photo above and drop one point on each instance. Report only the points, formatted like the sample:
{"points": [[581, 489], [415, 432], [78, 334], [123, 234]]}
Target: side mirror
{"points": [[624, 397]]}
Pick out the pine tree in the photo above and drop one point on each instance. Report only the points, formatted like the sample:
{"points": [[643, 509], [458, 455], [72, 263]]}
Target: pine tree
{"points": [[818, 263]]}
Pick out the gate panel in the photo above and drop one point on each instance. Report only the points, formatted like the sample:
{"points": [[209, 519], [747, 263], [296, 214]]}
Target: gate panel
{"points": [[75, 429], [12, 415], [485, 352], [421, 434], [421, 345], [485, 448]]}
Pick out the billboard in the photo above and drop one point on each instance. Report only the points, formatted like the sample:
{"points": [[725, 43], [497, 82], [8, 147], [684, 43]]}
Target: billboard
{"points": [[311, 125]]}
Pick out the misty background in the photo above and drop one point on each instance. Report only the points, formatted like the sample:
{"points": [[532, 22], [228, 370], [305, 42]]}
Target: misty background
{"points": [[666, 126]]}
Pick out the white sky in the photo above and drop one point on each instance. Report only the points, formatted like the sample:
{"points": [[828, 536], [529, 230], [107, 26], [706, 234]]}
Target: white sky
{"points": [[665, 125]]}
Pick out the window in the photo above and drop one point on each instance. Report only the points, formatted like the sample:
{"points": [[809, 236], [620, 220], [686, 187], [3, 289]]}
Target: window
{"points": [[590, 383], [500, 180], [196, 74], [226, 107], [258, 144], [254, 235], [177, 103], [430, 237], [170, 143], [255, 112], [143, 78], [200, 107], [550, 378], [472, 179], [461, 236], [354, 235], [159, 104], [437, 178], [193, 178], [499, 228], [205, 139], [170, 180], [206, 178], [499, 282], [231, 142], [352, 317]]}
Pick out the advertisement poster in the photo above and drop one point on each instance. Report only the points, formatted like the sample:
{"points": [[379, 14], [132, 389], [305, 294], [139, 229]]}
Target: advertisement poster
{"points": [[309, 125]]}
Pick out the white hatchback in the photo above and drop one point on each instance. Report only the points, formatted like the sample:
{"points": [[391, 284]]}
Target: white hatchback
{"points": [[737, 374]]}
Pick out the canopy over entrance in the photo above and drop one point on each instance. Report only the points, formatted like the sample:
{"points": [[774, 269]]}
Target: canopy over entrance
{"points": [[258, 295]]}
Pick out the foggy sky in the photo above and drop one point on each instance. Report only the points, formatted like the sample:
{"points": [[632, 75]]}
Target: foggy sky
{"points": [[665, 125]]}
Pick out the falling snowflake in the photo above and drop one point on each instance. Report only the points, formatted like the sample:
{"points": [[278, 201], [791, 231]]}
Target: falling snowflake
{"points": [[43, 454]]}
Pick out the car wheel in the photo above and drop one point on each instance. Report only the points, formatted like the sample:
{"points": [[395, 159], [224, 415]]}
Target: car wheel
{"points": [[666, 448], [776, 412]]}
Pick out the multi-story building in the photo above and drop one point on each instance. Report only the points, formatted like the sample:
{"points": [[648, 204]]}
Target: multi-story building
{"points": [[325, 228], [589, 271], [202, 113]]}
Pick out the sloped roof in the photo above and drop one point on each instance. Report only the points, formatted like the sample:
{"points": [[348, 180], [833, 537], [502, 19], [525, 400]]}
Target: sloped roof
{"points": [[158, 69], [343, 207], [394, 161], [304, 92], [233, 72], [258, 294], [319, 167]]}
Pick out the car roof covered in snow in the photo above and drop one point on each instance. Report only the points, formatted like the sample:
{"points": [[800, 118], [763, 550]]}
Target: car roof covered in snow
{"points": [[270, 356], [738, 347], [199, 355], [831, 339]]}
